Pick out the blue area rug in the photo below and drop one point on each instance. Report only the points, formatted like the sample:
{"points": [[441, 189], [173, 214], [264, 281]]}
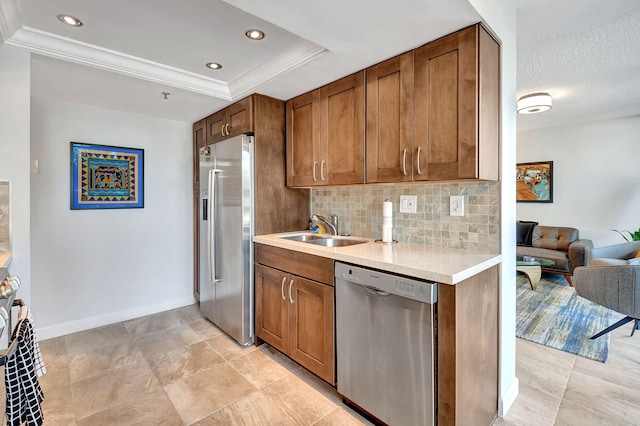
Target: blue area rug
{"points": [[555, 316]]}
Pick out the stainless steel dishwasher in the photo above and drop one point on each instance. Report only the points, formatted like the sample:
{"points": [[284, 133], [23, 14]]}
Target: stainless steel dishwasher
{"points": [[385, 344]]}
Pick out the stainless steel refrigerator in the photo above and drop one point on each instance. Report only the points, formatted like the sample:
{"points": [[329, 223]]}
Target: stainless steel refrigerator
{"points": [[226, 228]]}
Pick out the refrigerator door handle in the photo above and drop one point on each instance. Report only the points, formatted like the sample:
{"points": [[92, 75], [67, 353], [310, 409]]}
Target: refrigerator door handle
{"points": [[211, 227]]}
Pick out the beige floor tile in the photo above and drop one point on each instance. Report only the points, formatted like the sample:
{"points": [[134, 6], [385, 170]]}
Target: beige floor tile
{"points": [[299, 399], [623, 353], [86, 341], [93, 363], [254, 409], [229, 348], [54, 352], [113, 387], [343, 416], [167, 340], [183, 362], [543, 368], [617, 401], [609, 372], [319, 385], [533, 408], [55, 377], [154, 323], [259, 368], [205, 328], [57, 406], [572, 414], [190, 313], [208, 391], [153, 408]]}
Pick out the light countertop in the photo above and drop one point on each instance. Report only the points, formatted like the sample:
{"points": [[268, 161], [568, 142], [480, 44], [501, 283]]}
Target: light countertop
{"points": [[441, 264], [5, 259]]}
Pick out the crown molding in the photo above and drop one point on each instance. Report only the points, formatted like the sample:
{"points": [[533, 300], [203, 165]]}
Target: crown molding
{"points": [[295, 56], [10, 20], [95, 56]]}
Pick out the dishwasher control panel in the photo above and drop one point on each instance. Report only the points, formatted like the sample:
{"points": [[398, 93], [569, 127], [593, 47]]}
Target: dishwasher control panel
{"points": [[423, 291]]}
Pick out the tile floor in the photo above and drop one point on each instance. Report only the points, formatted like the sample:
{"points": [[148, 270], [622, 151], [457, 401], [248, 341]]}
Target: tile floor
{"points": [[175, 368]]}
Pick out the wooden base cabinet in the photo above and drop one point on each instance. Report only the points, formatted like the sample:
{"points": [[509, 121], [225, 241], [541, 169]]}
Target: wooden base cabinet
{"points": [[294, 314]]}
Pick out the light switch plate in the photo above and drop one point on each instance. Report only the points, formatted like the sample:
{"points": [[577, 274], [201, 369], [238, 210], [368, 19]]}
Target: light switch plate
{"points": [[35, 167], [408, 203], [456, 205]]}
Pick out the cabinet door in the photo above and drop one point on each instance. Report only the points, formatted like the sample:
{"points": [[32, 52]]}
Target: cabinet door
{"points": [[215, 126], [390, 120], [303, 168], [272, 304], [342, 130], [199, 141], [446, 106], [239, 118], [311, 327]]}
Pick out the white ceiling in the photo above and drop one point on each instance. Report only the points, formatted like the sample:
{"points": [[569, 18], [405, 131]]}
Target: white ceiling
{"points": [[129, 51]]}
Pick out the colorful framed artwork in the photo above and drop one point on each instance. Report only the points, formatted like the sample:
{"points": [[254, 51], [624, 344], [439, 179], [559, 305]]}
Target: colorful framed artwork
{"points": [[534, 182], [106, 177]]}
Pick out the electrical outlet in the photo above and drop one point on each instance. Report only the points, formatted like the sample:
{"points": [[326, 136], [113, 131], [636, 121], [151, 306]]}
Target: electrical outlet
{"points": [[408, 203], [456, 205]]}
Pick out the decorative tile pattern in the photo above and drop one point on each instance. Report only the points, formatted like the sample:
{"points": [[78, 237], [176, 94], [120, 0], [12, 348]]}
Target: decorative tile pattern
{"points": [[359, 210]]}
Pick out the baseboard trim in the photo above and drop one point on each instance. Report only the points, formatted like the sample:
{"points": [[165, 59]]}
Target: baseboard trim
{"points": [[110, 318], [508, 398]]}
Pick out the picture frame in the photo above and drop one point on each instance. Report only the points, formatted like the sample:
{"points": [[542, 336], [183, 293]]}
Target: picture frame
{"points": [[106, 177], [534, 182]]}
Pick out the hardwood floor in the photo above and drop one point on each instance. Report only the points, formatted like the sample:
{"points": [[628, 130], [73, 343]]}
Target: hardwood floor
{"points": [[176, 368]]}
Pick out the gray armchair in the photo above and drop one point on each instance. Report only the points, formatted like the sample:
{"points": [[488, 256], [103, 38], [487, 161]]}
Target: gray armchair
{"points": [[612, 279]]}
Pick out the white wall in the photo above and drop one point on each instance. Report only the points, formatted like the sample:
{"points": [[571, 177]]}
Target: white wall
{"points": [[95, 267], [15, 93], [596, 177], [500, 15]]}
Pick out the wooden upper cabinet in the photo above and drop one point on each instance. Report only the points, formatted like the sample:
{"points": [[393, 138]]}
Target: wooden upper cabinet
{"points": [[232, 121], [325, 134], [303, 139], [342, 123], [390, 120], [456, 89], [199, 141]]}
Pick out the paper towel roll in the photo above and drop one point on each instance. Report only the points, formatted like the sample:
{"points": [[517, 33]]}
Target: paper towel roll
{"points": [[387, 227]]}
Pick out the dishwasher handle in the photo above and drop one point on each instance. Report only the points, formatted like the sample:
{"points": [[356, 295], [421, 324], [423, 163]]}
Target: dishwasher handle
{"points": [[376, 291]]}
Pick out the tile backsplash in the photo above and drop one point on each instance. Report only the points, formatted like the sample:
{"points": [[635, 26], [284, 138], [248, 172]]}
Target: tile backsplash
{"points": [[5, 230], [359, 209]]}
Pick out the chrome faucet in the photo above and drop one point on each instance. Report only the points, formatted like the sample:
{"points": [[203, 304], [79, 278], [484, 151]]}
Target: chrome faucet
{"points": [[332, 222]]}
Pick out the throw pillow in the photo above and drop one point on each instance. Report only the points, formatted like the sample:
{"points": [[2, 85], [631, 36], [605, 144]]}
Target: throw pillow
{"points": [[524, 232], [637, 254]]}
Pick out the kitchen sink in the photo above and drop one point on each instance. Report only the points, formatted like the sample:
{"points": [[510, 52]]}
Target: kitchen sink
{"points": [[337, 242], [324, 240], [303, 237]]}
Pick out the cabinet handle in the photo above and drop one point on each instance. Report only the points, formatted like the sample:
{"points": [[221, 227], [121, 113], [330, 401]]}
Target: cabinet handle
{"points": [[315, 178], [282, 288], [418, 160], [226, 128], [290, 298], [404, 161], [322, 170], [222, 130]]}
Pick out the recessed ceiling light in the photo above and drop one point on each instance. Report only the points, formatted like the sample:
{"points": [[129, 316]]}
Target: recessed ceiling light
{"points": [[254, 34], [72, 21], [214, 65]]}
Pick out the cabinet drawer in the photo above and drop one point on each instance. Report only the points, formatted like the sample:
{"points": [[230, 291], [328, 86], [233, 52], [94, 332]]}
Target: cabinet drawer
{"points": [[315, 268]]}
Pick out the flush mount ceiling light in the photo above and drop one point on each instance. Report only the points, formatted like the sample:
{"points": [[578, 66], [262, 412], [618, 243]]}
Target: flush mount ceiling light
{"points": [[214, 65], [254, 34], [72, 21], [534, 103]]}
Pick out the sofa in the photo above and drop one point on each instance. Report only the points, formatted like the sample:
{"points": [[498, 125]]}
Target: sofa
{"points": [[561, 245]]}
